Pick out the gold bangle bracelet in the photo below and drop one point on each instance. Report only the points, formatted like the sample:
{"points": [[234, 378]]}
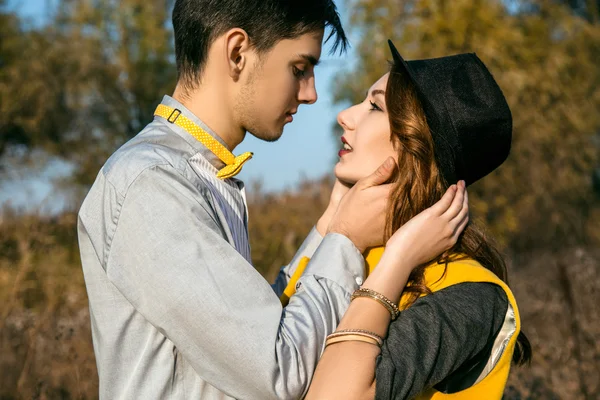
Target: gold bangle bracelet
{"points": [[360, 332], [381, 299], [351, 338]]}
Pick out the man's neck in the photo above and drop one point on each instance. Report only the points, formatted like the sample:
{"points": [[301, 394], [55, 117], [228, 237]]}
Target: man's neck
{"points": [[209, 105]]}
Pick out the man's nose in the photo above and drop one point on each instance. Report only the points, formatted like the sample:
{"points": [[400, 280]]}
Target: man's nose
{"points": [[308, 93]]}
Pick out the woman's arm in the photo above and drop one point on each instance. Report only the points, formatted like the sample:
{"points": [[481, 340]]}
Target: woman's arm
{"points": [[347, 369]]}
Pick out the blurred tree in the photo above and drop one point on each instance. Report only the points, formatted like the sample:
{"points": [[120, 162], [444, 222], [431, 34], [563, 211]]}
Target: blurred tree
{"points": [[11, 42], [589, 9], [545, 57], [86, 82]]}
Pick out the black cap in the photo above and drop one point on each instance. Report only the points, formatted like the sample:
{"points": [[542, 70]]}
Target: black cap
{"points": [[469, 119]]}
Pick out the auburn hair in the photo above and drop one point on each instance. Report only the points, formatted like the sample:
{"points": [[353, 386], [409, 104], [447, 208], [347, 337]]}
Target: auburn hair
{"points": [[419, 183]]}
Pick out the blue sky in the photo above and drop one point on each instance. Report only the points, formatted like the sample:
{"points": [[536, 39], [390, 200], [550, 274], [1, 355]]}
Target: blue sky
{"points": [[307, 148]]}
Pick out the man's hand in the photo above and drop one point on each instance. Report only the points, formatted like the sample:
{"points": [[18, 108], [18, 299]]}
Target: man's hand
{"points": [[337, 193], [361, 213]]}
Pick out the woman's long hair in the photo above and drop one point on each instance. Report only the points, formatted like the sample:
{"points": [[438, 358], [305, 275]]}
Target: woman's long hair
{"points": [[419, 184]]}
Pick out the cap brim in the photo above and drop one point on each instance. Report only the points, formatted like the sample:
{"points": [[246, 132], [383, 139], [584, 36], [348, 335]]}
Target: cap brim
{"points": [[397, 57], [401, 62]]}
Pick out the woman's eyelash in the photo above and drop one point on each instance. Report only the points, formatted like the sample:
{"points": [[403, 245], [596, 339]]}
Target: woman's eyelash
{"points": [[374, 106]]}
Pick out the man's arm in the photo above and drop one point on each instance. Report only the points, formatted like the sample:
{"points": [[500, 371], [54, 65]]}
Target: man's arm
{"points": [[169, 259], [307, 249], [314, 238]]}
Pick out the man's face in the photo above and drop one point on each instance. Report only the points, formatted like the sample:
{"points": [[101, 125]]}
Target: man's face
{"points": [[277, 83]]}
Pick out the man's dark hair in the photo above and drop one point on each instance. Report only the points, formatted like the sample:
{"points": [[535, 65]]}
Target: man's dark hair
{"points": [[197, 23]]}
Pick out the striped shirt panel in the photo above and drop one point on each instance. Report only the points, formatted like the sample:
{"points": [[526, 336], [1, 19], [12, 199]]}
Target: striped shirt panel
{"points": [[230, 196]]}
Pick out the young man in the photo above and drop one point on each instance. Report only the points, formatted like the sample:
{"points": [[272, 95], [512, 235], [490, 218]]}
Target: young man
{"points": [[177, 309]]}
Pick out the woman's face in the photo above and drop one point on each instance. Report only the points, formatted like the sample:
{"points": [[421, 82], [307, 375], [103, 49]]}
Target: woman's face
{"points": [[366, 138]]}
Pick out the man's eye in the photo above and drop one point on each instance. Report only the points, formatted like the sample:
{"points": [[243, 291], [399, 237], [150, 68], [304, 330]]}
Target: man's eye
{"points": [[374, 107], [298, 73]]}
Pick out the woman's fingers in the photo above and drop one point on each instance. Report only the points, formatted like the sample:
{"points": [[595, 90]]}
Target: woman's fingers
{"points": [[457, 203], [460, 228], [464, 211], [463, 218], [445, 202]]}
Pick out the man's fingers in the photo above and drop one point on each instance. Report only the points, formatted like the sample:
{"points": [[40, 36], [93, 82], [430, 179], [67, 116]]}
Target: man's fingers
{"points": [[380, 176], [442, 205]]}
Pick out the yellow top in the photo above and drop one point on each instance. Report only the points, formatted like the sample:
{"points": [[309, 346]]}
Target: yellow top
{"points": [[492, 385]]}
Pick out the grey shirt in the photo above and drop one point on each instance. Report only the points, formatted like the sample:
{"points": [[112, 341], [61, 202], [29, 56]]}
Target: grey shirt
{"points": [[176, 311]]}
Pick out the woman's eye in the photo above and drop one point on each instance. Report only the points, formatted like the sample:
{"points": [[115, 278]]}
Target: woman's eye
{"points": [[374, 107], [298, 73]]}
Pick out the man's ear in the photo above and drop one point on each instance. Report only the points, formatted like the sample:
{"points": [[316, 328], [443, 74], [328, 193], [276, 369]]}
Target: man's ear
{"points": [[238, 49]]}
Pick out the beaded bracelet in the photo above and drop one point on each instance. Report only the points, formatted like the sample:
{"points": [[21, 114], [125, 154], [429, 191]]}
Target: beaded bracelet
{"points": [[381, 299]]}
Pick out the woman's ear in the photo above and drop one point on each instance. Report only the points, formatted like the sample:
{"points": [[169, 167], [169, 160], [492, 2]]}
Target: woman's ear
{"points": [[238, 50]]}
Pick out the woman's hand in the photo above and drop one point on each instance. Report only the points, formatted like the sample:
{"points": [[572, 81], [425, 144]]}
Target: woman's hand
{"points": [[337, 193], [432, 231]]}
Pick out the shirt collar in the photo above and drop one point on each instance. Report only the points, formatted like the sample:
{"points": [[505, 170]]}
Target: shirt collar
{"points": [[197, 145]]}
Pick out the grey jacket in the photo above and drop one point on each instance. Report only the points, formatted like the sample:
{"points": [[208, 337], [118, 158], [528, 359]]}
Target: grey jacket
{"points": [[176, 311]]}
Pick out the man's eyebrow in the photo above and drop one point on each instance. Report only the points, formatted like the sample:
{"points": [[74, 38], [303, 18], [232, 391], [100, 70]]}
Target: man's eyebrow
{"points": [[312, 60]]}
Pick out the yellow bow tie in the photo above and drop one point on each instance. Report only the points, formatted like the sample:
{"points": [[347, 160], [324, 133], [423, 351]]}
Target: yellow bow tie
{"points": [[233, 164]]}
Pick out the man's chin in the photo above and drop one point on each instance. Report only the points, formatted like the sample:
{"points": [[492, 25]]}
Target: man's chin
{"points": [[268, 136]]}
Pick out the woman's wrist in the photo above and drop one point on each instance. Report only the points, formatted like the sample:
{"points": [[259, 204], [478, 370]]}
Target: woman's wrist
{"points": [[390, 276]]}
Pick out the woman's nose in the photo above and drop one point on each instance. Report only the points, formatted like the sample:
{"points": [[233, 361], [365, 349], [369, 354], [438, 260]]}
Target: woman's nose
{"points": [[345, 120]]}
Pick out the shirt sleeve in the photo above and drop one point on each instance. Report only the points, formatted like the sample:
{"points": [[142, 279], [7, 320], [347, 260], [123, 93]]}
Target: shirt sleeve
{"points": [[169, 259], [307, 249], [437, 336]]}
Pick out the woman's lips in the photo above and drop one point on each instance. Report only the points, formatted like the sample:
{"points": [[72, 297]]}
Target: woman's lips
{"points": [[347, 148]]}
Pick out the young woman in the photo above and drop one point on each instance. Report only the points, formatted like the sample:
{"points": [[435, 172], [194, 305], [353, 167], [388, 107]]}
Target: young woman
{"points": [[457, 327]]}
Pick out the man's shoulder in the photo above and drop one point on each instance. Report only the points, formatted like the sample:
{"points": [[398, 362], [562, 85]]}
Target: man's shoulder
{"points": [[154, 147], [153, 164]]}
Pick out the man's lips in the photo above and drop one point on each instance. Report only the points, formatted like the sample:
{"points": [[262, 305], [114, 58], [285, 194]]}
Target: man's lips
{"points": [[289, 117]]}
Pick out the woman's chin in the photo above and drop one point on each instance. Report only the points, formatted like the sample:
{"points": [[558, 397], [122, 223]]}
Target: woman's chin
{"points": [[345, 178]]}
